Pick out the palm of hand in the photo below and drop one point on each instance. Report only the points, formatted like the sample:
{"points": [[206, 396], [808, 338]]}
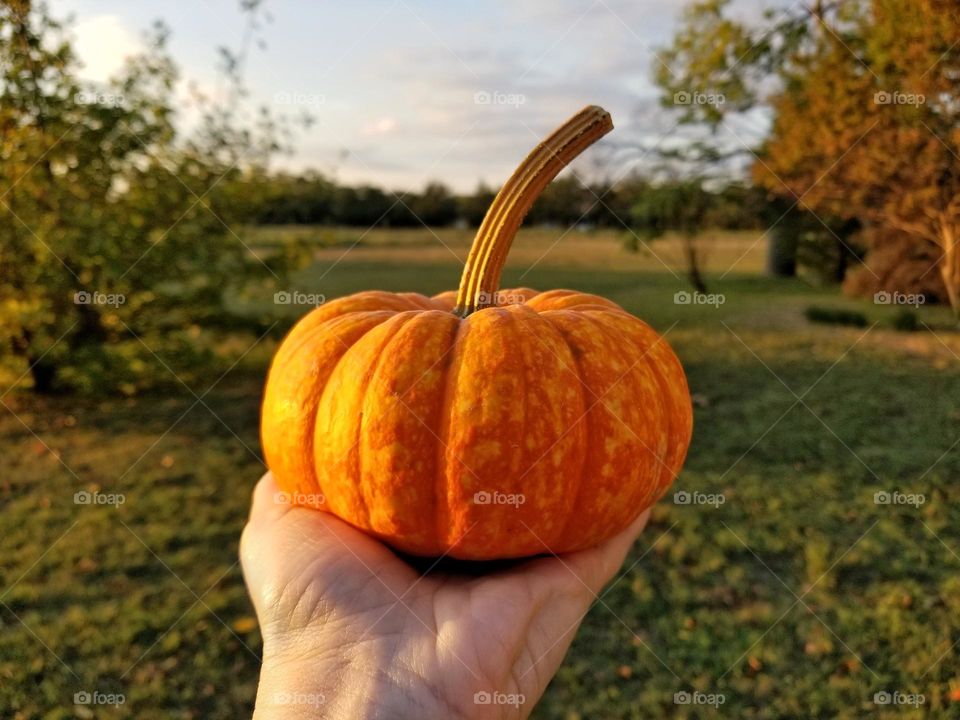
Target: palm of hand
{"points": [[334, 603]]}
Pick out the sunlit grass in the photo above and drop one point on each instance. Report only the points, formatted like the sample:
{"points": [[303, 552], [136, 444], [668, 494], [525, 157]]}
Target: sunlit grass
{"points": [[797, 426]]}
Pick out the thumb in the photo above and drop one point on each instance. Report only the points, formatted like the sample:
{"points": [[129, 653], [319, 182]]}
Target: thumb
{"points": [[287, 552]]}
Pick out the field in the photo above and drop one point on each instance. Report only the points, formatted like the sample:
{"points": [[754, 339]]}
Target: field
{"points": [[786, 587]]}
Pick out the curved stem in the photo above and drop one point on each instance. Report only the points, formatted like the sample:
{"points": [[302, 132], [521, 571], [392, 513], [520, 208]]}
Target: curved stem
{"points": [[481, 274]]}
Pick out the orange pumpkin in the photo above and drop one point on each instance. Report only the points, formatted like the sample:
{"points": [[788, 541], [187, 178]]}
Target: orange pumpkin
{"points": [[480, 424]]}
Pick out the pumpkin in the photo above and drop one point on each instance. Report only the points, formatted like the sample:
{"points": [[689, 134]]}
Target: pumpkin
{"points": [[481, 424]]}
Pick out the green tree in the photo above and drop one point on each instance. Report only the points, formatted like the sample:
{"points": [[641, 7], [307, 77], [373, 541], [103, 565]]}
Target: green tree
{"points": [[473, 208], [683, 208], [718, 68], [303, 199], [435, 206], [737, 64], [564, 201], [115, 237]]}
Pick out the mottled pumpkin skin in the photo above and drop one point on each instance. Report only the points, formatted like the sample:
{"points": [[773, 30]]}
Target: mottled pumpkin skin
{"points": [[392, 413]]}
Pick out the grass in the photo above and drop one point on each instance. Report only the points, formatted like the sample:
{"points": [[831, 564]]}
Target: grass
{"points": [[799, 596]]}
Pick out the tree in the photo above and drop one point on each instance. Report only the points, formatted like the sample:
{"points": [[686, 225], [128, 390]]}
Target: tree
{"points": [[473, 208], [682, 207], [365, 205], [739, 65], [435, 206], [870, 130], [303, 199], [114, 230], [564, 201], [716, 70]]}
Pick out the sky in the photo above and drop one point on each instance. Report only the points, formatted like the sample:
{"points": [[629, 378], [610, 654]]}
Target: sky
{"points": [[407, 91]]}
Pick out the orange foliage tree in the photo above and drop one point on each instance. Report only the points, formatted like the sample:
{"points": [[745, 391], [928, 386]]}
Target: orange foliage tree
{"points": [[868, 127]]}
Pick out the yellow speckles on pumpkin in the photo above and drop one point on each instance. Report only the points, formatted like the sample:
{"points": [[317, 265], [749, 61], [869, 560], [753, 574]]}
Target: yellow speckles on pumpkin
{"points": [[487, 451], [614, 405], [612, 444], [393, 453], [509, 403]]}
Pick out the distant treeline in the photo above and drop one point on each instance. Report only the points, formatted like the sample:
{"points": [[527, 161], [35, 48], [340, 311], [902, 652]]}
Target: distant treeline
{"points": [[317, 200]]}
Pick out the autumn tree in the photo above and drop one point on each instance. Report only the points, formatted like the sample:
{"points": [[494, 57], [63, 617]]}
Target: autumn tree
{"points": [[871, 130], [865, 134], [742, 64]]}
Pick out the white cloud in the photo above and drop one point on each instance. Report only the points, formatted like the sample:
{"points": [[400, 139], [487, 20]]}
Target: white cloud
{"points": [[399, 83], [103, 44], [383, 126]]}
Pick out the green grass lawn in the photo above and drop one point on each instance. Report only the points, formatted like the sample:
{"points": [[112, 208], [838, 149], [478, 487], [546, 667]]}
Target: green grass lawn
{"points": [[798, 596]]}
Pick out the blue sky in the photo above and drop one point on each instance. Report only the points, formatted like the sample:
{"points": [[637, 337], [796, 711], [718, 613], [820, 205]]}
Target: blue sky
{"points": [[398, 87]]}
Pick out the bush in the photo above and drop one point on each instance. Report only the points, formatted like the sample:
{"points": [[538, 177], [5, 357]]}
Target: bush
{"points": [[906, 321], [835, 316], [110, 260]]}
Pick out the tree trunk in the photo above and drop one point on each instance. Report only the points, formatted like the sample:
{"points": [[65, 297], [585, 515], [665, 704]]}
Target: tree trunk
{"points": [[696, 279], [782, 244], [950, 268], [43, 375], [843, 259], [693, 264]]}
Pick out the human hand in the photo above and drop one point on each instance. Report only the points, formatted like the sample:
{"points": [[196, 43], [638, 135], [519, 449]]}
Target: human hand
{"points": [[352, 630]]}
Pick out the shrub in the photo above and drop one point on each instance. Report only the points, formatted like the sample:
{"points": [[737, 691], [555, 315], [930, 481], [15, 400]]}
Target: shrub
{"points": [[835, 316], [906, 321]]}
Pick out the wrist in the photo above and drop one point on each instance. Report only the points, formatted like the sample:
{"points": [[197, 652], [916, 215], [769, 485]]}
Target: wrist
{"points": [[335, 681]]}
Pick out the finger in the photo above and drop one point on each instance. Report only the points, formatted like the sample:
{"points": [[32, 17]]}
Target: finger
{"points": [[284, 527], [598, 565], [268, 500], [282, 543], [587, 571], [614, 551]]}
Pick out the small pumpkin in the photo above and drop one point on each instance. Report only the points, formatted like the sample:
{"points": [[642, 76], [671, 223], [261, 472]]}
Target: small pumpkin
{"points": [[480, 424]]}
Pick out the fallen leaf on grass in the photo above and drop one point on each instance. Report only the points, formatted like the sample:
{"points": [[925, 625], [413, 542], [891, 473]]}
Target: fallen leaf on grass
{"points": [[244, 624]]}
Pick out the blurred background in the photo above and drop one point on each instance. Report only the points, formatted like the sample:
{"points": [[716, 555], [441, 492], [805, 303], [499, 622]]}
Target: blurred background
{"points": [[780, 199]]}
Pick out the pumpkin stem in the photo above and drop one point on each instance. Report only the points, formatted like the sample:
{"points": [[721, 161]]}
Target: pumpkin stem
{"points": [[481, 275]]}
